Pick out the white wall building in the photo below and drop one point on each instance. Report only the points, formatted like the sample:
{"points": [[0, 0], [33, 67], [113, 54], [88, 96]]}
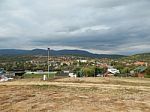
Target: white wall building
{"points": [[82, 61], [72, 75], [113, 70]]}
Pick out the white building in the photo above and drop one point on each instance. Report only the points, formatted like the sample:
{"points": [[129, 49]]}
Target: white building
{"points": [[112, 70], [72, 75], [82, 61]]}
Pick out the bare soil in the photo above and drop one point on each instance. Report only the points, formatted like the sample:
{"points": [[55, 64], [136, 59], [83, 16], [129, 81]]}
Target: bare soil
{"points": [[76, 95]]}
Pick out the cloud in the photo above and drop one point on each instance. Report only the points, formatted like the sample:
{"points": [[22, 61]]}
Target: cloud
{"points": [[102, 26]]}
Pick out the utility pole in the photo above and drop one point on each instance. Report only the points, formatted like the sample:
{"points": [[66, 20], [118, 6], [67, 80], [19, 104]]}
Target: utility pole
{"points": [[48, 60]]}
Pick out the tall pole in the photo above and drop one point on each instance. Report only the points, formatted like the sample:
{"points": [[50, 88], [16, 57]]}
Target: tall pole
{"points": [[48, 61]]}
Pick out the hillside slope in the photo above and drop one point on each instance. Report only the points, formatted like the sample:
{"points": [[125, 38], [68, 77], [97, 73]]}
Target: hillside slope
{"points": [[15, 52]]}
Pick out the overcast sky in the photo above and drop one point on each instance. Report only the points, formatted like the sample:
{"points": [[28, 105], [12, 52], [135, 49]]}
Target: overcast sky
{"points": [[99, 26]]}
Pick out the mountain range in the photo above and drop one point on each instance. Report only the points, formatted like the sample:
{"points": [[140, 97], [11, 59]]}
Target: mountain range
{"points": [[42, 52]]}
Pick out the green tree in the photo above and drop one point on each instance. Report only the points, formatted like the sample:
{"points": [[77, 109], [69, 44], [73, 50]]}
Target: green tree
{"points": [[147, 72], [88, 71], [125, 70]]}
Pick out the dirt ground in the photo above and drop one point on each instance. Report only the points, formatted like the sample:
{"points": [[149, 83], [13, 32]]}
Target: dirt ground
{"points": [[76, 95]]}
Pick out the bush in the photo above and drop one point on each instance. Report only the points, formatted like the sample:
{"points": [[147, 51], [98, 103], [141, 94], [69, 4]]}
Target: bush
{"points": [[89, 71], [147, 74]]}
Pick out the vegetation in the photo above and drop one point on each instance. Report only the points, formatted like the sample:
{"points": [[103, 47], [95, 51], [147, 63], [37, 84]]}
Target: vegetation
{"points": [[148, 72], [33, 75], [139, 57], [11, 59], [88, 69]]}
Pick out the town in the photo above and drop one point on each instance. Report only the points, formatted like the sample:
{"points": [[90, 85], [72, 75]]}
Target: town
{"points": [[73, 66]]}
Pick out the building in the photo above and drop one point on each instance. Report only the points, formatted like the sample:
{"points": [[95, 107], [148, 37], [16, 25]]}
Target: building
{"points": [[140, 63], [111, 71], [82, 61], [139, 71], [3, 78], [2, 71]]}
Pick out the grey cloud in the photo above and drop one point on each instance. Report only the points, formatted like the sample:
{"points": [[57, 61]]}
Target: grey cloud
{"points": [[117, 26]]}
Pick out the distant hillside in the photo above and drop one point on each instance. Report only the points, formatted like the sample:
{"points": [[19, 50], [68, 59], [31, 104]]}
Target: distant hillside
{"points": [[16, 52], [5, 52], [139, 57]]}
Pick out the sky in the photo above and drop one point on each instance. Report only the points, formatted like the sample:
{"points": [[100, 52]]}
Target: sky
{"points": [[98, 26]]}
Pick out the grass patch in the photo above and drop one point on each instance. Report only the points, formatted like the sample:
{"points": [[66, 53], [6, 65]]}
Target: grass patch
{"points": [[43, 87]]}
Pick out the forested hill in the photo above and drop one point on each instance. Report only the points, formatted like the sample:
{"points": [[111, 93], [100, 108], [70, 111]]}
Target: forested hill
{"points": [[139, 57], [16, 52]]}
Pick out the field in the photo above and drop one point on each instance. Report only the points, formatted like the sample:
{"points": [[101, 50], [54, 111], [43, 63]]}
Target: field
{"points": [[76, 95]]}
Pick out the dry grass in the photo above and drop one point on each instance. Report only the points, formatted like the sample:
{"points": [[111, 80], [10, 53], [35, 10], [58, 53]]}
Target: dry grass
{"points": [[69, 95], [109, 80]]}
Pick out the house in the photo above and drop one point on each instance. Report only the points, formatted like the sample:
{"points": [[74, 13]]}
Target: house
{"points": [[18, 73], [66, 71], [65, 63], [82, 61], [139, 71], [3, 76], [111, 71], [72, 75], [140, 63], [2, 71]]}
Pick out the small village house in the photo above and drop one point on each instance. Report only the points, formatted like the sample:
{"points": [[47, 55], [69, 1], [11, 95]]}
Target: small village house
{"points": [[139, 71]]}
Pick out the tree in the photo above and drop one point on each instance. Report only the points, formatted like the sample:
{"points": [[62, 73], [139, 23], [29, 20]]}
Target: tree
{"points": [[89, 71], [125, 70], [148, 72], [99, 70]]}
